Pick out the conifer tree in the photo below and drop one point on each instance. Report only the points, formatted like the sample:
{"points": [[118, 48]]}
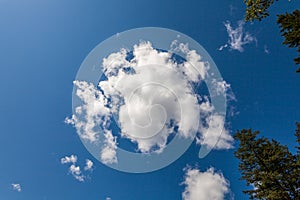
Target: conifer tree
{"points": [[268, 167], [289, 23]]}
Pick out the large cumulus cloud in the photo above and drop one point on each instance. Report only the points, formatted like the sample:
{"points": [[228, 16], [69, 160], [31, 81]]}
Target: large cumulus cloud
{"points": [[152, 96]]}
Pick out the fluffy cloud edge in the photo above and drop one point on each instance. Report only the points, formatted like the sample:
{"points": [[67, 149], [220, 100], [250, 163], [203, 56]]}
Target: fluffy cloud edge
{"points": [[204, 185]]}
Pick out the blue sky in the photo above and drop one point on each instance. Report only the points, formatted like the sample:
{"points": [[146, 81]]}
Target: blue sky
{"points": [[42, 45]]}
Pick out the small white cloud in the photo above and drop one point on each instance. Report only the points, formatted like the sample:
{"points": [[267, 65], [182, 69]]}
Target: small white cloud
{"points": [[16, 186], [108, 198], [205, 185], [88, 165], [76, 172], [237, 37], [68, 159]]}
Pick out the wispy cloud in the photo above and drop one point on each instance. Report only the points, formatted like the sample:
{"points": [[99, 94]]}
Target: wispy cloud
{"points": [[76, 170], [205, 185], [16, 186], [237, 37]]}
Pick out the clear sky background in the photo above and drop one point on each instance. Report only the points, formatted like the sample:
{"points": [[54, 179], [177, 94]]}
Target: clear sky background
{"points": [[42, 44]]}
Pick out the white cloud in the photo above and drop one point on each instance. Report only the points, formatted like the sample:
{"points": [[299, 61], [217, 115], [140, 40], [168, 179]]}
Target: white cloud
{"points": [[108, 153], [151, 94], [205, 185], [94, 107], [213, 131], [237, 37], [215, 135], [68, 159], [88, 165], [220, 87], [16, 186], [76, 170], [194, 68]]}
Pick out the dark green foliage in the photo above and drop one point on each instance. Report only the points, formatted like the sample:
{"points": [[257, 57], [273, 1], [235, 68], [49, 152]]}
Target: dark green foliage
{"points": [[257, 9], [297, 134], [289, 23], [268, 166], [290, 29]]}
